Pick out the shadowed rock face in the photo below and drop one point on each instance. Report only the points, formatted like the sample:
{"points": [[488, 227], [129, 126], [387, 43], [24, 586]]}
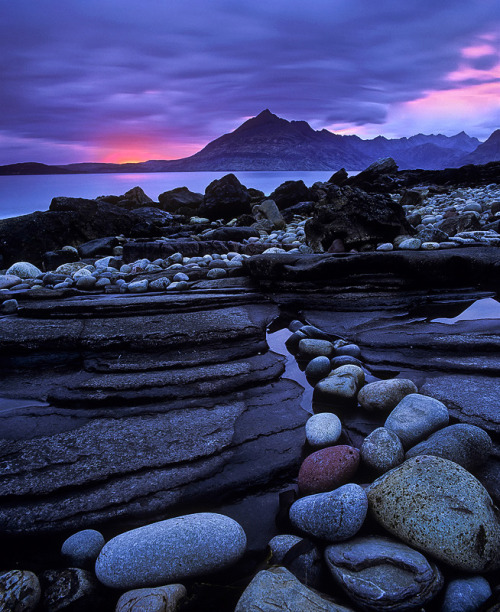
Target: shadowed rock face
{"points": [[151, 404]]}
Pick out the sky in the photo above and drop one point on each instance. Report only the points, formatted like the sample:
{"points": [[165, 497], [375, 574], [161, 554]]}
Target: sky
{"points": [[131, 80]]}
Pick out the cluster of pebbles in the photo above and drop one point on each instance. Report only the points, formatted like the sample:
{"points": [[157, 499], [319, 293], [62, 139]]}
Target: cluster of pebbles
{"points": [[399, 524]]}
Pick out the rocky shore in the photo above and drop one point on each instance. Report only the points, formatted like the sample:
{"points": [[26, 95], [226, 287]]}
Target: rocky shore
{"points": [[241, 401]]}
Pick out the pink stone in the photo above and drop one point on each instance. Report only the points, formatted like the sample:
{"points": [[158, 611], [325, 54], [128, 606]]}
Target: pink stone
{"points": [[327, 469]]}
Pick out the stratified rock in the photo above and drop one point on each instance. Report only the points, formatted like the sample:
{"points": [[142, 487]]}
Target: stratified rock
{"points": [[171, 550], [466, 594], [382, 574], [385, 395], [290, 193], [278, 589], [70, 589], [159, 599], [415, 417], [180, 200], [382, 450], [441, 509], [327, 469], [82, 548], [225, 198], [334, 516], [19, 591], [467, 445], [299, 556]]}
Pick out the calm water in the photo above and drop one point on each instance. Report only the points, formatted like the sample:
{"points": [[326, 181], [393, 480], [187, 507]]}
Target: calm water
{"points": [[20, 195]]}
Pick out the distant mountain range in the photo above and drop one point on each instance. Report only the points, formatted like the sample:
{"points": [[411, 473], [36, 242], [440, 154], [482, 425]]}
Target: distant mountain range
{"points": [[267, 142]]}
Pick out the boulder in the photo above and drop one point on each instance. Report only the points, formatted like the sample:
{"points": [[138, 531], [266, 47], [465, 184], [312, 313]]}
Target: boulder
{"points": [[170, 551], [180, 200], [382, 574], [339, 178], [159, 599], [225, 198], [290, 193], [19, 591], [461, 223], [134, 198], [23, 270], [268, 210], [438, 507]]}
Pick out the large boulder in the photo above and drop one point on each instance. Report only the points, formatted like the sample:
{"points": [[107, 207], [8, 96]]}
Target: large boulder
{"points": [[357, 218], [225, 198], [134, 198], [180, 200], [290, 193]]}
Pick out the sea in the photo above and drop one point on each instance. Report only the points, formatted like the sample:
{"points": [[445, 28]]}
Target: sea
{"points": [[23, 194]]}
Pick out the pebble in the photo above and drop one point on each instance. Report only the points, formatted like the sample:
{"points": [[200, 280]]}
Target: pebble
{"points": [[415, 417], [466, 594], [310, 348], [24, 270], [323, 429], [340, 388], [437, 506], [81, 273], [318, 368], [311, 331], [102, 282], [85, 282], [333, 516], [352, 350], [170, 551], [299, 556], [386, 246], [379, 573], [465, 444], [216, 273], [178, 286], [341, 360], [180, 276], [159, 599], [382, 450], [19, 591], [327, 469], [159, 284], [385, 395], [9, 280], [9, 307], [82, 548], [410, 244], [140, 286]]}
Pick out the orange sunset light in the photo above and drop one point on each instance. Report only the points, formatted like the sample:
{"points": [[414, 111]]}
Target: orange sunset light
{"points": [[126, 150]]}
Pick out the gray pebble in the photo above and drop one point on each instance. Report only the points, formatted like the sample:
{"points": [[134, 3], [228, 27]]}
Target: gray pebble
{"points": [[82, 548], [382, 450], [318, 368], [9, 307], [323, 429], [466, 594]]}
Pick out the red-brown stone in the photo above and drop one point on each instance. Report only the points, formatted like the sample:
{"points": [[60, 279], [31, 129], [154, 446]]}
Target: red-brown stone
{"points": [[328, 469]]}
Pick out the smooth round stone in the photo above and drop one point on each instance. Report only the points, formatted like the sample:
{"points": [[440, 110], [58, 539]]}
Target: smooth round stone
{"points": [[294, 339], [318, 368], [311, 331], [82, 548], [103, 282], [385, 395], [180, 276], [86, 282], [9, 307], [323, 429], [70, 249], [467, 445], [216, 273], [416, 417], [178, 286], [140, 286], [159, 284], [24, 270], [310, 347], [81, 273], [19, 591], [334, 516], [382, 574], [9, 280], [342, 360], [386, 246], [340, 388], [68, 269], [466, 594], [170, 551], [327, 469], [430, 246], [126, 269], [299, 556], [437, 506], [473, 206], [410, 244], [352, 350], [382, 450], [159, 599]]}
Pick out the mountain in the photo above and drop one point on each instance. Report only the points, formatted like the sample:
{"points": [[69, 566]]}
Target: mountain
{"points": [[486, 152], [268, 142]]}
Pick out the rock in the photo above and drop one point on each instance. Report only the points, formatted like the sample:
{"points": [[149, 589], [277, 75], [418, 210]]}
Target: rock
{"points": [[9, 280], [318, 368], [135, 196], [340, 388], [467, 445], [69, 269], [352, 350], [19, 591], [466, 594], [180, 276], [323, 429], [216, 273], [225, 198], [99, 246], [269, 210], [382, 574], [432, 234], [385, 246], [385, 395], [334, 516], [415, 417], [311, 331], [171, 550], [180, 200], [85, 282], [410, 244], [382, 450], [159, 599], [24, 270], [327, 469], [52, 259], [82, 548], [339, 178], [140, 286], [299, 556], [9, 307], [70, 589], [290, 193], [341, 360], [231, 234], [337, 246], [461, 223], [411, 198], [357, 218], [311, 348], [159, 284], [278, 589], [441, 509], [102, 282]]}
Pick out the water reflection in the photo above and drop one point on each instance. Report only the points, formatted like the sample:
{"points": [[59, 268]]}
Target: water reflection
{"points": [[486, 308]]}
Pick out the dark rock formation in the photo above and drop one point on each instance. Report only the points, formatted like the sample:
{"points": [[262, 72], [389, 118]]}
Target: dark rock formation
{"points": [[357, 218], [180, 200], [225, 198], [290, 193]]}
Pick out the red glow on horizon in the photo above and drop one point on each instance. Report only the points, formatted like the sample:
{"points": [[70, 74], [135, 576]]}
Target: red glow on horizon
{"points": [[125, 149]]}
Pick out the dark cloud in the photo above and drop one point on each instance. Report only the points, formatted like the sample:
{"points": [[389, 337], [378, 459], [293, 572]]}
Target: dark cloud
{"points": [[76, 73]]}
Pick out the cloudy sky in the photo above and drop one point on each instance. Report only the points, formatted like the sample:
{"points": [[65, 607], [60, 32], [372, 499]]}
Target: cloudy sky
{"points": [[130, 80]]}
